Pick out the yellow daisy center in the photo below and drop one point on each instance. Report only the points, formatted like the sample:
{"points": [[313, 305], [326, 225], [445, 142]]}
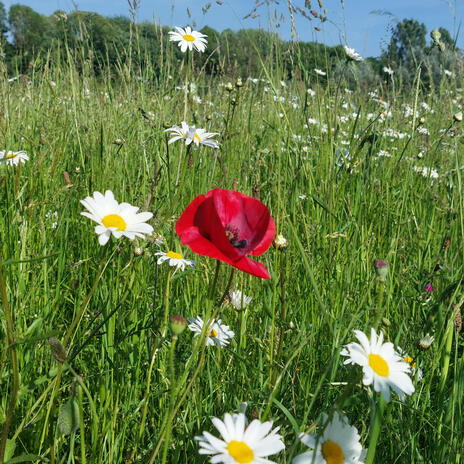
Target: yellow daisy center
{"points": [[213, 334], [410, 361], [114, 220], [11, 155], [188, 38], [379, 365], [174, 255], [332, 452], [197, 137], [240, 451]]}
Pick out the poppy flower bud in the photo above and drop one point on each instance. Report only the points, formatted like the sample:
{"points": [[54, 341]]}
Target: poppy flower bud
{"points": [[381, 269], [178, 324], [58, 350], [166, 125]]}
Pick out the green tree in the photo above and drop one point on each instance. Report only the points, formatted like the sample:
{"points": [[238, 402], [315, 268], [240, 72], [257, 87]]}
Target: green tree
{"points": [[30, 30], [409, 35], [3, 21]]}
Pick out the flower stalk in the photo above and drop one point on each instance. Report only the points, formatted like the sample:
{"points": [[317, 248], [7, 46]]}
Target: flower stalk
{"points": [[375, 428], [10, 346]]}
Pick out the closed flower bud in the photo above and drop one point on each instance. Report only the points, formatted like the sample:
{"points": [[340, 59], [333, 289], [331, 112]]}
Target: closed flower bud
{"points": [[166, 125], [458, 116], [381, 269], [178, 324], [58, 350], [229, 87], [239, 83], [139, 251], [386, 322]]}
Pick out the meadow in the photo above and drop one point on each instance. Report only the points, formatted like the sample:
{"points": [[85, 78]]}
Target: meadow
{"points": [[91, 368]]}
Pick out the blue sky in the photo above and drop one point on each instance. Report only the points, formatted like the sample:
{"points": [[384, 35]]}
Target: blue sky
{"points": [[350, 22]]}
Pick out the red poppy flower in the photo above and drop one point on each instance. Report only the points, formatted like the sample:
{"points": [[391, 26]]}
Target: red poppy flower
{"points": [[228, 225]]}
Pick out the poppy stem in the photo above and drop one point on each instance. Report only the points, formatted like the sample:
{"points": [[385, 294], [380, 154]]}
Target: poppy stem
{"points": [[226, 291], [215, 278]]}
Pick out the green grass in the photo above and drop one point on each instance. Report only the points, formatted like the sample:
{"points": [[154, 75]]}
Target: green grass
{"points": [[287, 369]]}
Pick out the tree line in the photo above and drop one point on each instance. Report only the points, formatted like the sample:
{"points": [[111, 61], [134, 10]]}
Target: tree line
{"points": [[111, 43]]}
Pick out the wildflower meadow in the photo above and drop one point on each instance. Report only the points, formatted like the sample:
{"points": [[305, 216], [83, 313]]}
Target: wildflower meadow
{"points": [[230, 267]]}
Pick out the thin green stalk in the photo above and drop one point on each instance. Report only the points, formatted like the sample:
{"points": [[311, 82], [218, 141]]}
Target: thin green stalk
{"points": [[82, 426], [375, 428], [164, 328], [147, 389], [172, 398], [10, 346], [380, 307], [283, 314]]}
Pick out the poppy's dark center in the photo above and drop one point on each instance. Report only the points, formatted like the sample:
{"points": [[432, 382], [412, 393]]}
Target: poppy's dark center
{"points": [[232, 234]]}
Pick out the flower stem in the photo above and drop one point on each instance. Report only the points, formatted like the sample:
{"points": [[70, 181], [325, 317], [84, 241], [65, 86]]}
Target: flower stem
{"points": [[172, 398], [226, 291], [10, 345], [164, 329], [215, 278], [380, 308], [375, 428]]}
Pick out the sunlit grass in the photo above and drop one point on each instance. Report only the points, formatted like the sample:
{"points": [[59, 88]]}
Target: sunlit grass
{"points": [[340, 206]]}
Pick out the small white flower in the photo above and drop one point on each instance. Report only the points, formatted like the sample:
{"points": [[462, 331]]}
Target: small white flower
{"points": [[216, 333], [13, 158], [426, 341], [53, 216], [239, 300], [192, 135], [320, 72], [388, 70], [427, 172], [174, 259], [113, 218], [311, 92], [352, 54], [382, 365], [188, 39], [338, 443], [384, 153], [241, 444], [448, 72]]}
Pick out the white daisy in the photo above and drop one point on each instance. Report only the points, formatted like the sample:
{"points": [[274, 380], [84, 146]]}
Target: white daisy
{"points": [[381, 364], [320, 72], [188, 39], [13, 158], [352, 54], [115, 218], [174, 259], [241, 444], [216, 332], [239, 300], [192, 134], [337, 444]]}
